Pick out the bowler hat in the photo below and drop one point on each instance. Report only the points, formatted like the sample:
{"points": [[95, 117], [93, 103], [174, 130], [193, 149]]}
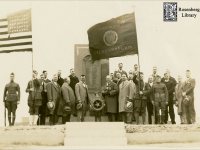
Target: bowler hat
{"points": [[67, 109]]}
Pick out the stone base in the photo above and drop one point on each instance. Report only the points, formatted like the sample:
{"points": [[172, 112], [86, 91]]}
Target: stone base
{"points": [[95, 134]]}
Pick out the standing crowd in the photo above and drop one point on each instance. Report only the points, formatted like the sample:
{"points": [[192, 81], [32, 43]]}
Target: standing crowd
{"points": [[125, 97]]}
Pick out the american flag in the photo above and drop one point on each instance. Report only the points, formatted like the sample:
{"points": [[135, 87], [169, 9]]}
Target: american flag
{"points": [[16, 32]]}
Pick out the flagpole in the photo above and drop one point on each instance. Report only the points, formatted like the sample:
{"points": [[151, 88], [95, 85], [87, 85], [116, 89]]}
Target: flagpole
{"points": [[138, 56]]}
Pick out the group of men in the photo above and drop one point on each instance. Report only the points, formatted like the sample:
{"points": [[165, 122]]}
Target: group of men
{"points": [[125, 95], [158, 96]]}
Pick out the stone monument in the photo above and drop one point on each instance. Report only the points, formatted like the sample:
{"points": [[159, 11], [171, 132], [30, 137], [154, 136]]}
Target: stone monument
{"points": [[95, 71]]}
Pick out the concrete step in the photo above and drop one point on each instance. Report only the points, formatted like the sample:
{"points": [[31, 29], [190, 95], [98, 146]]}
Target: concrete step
{"points": [[95, 134]]}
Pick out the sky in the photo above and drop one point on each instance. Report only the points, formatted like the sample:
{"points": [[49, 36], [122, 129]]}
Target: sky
{"points": [[58, 25]]}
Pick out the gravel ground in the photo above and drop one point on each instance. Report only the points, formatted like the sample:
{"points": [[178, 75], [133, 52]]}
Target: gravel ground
{"points": [[162, 128]]}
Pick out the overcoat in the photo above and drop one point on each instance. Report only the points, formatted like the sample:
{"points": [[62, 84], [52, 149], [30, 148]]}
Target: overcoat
{"points": [[54, 95], [109, 93], [140, 101], [81, 91], [179, 97], [126, 93], [68, 98]]}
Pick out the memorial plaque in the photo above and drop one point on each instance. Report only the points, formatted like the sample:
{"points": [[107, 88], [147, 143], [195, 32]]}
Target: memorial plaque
{"points": [[95, 71]]}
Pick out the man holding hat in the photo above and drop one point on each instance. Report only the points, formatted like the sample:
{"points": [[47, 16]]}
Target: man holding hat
{"points": [[35, 98], [68, 100], [126, 94], [188, 98], [54, 96], [82, 98]]}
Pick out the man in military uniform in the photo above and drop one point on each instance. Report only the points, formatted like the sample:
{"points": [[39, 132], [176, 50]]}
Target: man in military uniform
{"points": [[160, 100], [11, 98]]}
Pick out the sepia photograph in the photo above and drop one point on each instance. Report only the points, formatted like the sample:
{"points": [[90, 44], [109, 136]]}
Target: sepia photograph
{"points": [[99, 74]]}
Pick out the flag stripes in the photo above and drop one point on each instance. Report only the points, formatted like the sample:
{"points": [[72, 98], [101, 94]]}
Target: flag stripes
{"points": [[15, 33]]}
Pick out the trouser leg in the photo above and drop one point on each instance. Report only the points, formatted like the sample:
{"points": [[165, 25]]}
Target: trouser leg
{"points": [[96, 117], [143, 117], [166, 114], [129, 117], [13, 117], [109, 117], [31, 120], [9, 117], [193, 112], [171, 113], [137, 117], [113, 116], [52, 119], [157, 117], [163, 111], [183, 114], [99, 116], [149, 110], [80, 116], [35, 119], [66, 118], [123, 116], [190, 114]]}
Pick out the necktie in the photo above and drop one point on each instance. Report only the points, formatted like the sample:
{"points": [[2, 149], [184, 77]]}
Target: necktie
{"points": [[42, 86]]}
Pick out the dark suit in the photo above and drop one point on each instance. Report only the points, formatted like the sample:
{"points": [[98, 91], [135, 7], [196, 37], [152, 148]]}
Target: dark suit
{"points": [[110, 94], [43, 109], [148, 87], [171, 84], [54, 95], [73, 81], [60, 81]]}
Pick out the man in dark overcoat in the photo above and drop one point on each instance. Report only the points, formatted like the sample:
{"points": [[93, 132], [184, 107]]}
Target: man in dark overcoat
{"points": [[109, 93], [54, 97]]}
